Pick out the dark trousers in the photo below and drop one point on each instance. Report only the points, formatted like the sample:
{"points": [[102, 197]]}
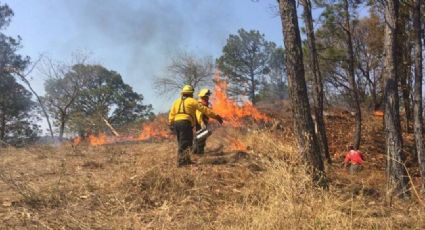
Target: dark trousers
{"points": [[200, 145], [184, 134]]}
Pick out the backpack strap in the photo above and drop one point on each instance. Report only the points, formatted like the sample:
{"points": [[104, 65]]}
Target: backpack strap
{"points": [[184, 108]]}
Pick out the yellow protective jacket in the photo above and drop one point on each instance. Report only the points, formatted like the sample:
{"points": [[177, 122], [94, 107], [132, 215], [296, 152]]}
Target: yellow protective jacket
{"points": [[201, 118], [185, 109]]}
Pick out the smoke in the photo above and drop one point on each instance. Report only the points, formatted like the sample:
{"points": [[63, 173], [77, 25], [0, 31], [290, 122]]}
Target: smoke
{"points": [[147, 33]]}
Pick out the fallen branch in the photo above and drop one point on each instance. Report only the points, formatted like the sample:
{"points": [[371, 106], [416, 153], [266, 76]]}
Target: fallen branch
{"points": [[110, 127]]}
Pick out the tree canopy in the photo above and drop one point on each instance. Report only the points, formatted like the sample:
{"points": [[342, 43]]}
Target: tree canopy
{"points": [[18, 121], [16, 107], [103, 95], [245, 62]]}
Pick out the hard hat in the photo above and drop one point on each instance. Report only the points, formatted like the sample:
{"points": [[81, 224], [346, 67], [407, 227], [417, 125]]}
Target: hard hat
{"points": [[204, 92], [187, 89]]}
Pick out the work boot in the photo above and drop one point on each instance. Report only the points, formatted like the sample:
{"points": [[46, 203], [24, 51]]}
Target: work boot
{"points": [[198, 150], [184, 163], [195, 150], [184, 158]]}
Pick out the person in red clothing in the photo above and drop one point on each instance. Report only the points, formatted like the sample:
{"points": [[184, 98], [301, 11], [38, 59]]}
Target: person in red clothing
{"points": [[354, 158]]}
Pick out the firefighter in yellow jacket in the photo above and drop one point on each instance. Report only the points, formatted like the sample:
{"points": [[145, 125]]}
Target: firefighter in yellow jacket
{"points": [[182, 119], [202, 120]]}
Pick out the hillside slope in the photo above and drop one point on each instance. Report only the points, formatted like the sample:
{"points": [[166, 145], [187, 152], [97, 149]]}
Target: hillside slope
{"points": [[249, 179]]}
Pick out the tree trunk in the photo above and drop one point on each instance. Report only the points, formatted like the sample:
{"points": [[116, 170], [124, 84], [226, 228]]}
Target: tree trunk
{"points": [[417, 102], [376, 102], [62, 126], [404, 63], [318, 82], [303, 123], [374, 99], [405, 90], [40, 102], [252, 90], [352, 77], [2, 127], [396, 172]]}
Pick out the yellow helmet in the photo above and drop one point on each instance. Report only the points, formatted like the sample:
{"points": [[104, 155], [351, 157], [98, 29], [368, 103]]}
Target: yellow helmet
{"points": [[204, 92], [187, 89]]}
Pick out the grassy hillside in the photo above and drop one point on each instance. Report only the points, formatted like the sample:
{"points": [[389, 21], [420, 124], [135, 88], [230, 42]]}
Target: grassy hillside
{"points": [[263, 186]]}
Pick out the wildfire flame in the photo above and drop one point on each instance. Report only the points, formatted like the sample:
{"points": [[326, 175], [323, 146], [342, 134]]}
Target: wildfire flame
{"points": [[378, 113], [237, 145], [100, 139], [156, 129], [233, 113]]}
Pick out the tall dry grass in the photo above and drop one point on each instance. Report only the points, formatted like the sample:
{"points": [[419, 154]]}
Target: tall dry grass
{"points": [[284, 197], [138, 186]]}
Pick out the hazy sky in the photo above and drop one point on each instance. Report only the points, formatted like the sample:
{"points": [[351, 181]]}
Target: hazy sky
{"points": [[135, 38]]}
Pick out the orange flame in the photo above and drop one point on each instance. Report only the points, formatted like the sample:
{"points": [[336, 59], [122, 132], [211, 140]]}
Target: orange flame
{"points": [[156, 129], [100, 139], [237, 145], [233, 113], [378, 113]]}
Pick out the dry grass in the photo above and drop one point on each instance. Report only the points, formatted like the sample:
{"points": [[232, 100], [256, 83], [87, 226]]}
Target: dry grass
{"points": [[138, 186]]}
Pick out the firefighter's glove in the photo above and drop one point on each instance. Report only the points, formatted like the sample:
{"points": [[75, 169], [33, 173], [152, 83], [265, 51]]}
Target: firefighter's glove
{"points": [[219, 119]]}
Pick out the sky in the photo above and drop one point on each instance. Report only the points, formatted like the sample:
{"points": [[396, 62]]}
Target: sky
{"points": [[135, 38]]}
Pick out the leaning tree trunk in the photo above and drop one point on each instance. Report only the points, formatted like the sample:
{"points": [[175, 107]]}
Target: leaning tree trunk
{"points": [[352, 77], [417, 98], [397, 179], [318, 82], [40, 102], [304, 128]]}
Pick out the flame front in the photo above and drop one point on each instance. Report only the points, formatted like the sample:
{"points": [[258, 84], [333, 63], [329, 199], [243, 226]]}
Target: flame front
{"points": [[233, 113], [157, 129], [100, 139]]}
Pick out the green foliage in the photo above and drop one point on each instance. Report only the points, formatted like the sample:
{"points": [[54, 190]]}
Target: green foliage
{"points": [[17, 121], [367, 34], [274, 87], [104, 95], [245, 61], [5, 15], [331, 43], [62, 89], [16, 117], [9, 45]]}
